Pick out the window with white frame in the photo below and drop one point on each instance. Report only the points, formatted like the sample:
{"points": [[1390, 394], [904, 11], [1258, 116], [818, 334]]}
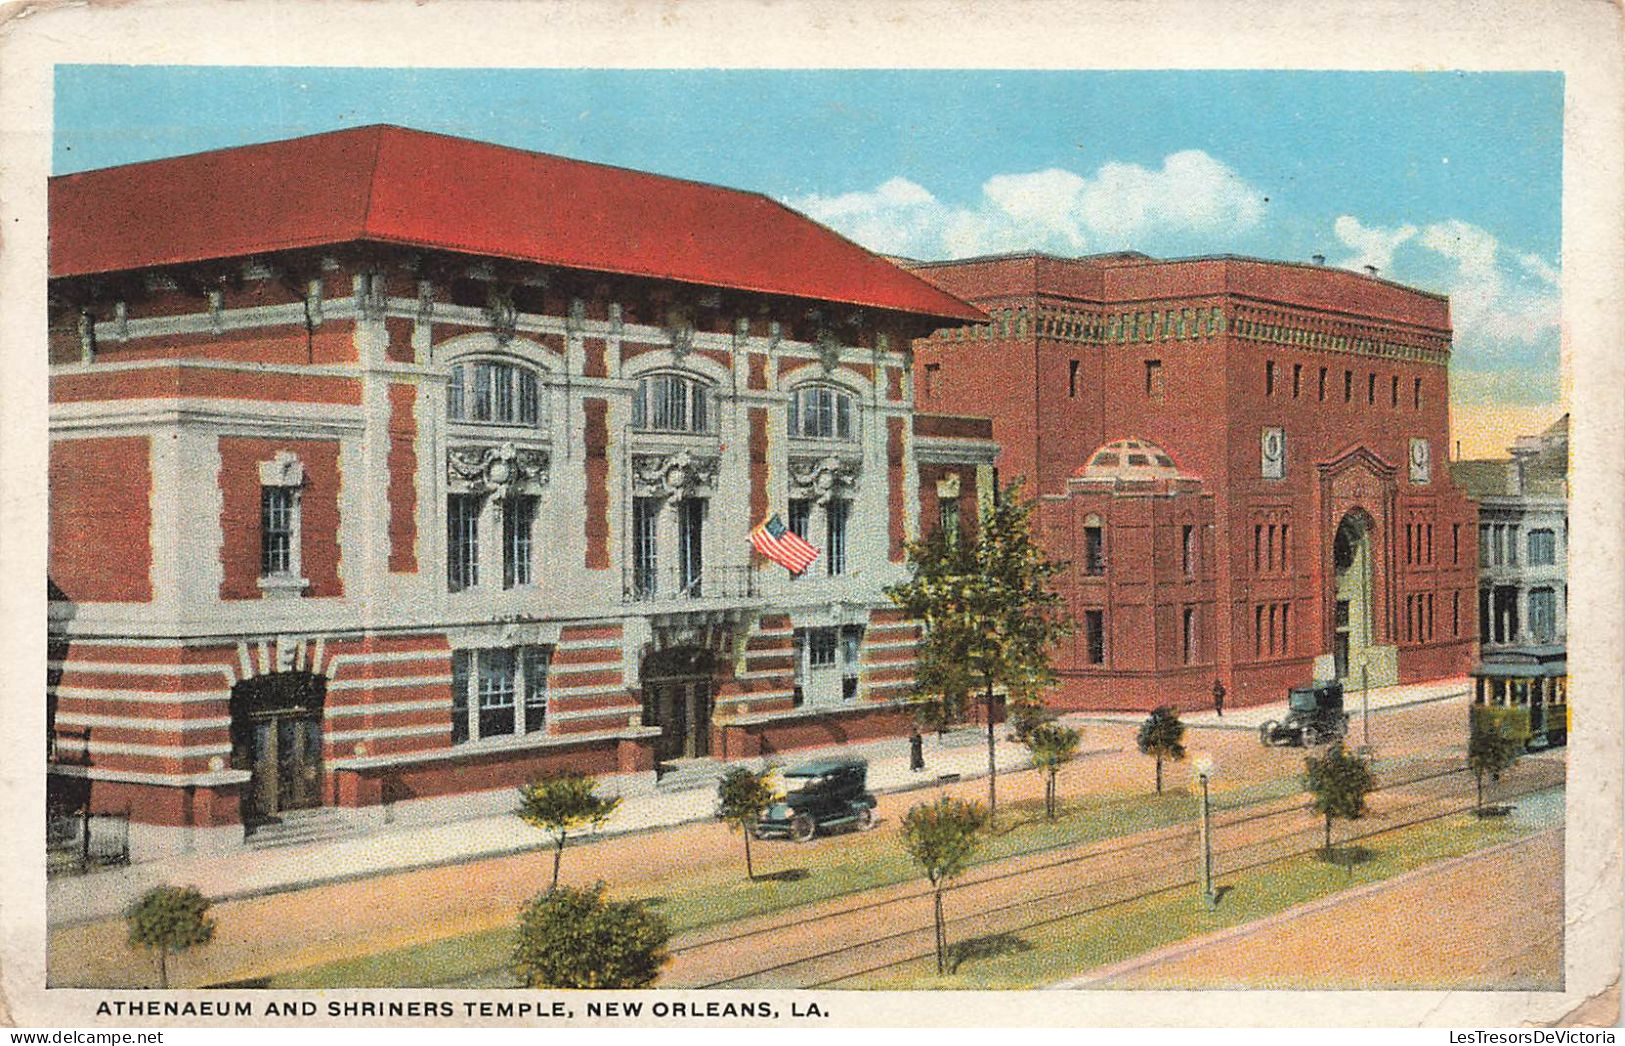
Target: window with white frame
{"points": [[837, 512], [498, 692], [463, 541], [518, 524], [820, 412], [494, 392], [282, 480], [1542, 548], [673, 403]]}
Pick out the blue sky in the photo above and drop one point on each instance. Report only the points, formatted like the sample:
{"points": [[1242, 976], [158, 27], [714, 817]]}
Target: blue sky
{"points": [[1448, 181]]}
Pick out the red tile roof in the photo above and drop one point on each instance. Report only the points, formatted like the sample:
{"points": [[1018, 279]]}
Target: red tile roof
{"points": [[388, 184]]}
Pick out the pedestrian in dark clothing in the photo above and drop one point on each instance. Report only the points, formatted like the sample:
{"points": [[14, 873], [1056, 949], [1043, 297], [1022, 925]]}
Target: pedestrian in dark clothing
{"points": [[1218, 698], [916, 750]]}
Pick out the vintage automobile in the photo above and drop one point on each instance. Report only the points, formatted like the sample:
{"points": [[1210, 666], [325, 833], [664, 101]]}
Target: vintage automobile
{"points": [[1314, 716], [827, 793]]}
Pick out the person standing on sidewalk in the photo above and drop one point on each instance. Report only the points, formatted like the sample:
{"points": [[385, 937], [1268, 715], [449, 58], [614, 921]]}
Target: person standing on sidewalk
{"points": [[1218, 698], [916, 750]]}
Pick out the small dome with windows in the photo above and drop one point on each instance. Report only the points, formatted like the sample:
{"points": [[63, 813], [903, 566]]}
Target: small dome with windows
{"points": [[1129, 459]]}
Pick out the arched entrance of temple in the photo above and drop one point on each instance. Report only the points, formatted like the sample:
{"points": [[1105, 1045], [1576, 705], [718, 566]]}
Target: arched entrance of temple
{"points": [[276, 735], [678, 697], [1352, 591]]}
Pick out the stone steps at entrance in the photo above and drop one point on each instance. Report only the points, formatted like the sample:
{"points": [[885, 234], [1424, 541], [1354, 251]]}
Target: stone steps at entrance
{"points": [[299, 827], [682, 775]]}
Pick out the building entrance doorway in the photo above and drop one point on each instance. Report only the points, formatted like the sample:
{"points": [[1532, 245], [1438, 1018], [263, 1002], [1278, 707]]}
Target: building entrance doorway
{"points": [[677, 697], [276, 735], [1351, 622]]}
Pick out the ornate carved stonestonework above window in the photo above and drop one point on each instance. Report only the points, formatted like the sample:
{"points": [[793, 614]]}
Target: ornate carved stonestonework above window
{"points": [[501, 470], [829, 350], [284, 470], [501, 314], [681, 334], [680, 475], [822, 479]]}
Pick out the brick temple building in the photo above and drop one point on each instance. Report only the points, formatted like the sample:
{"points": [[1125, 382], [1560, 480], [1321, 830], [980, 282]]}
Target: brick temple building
{"points": [[1243, 461], [389, 470]]}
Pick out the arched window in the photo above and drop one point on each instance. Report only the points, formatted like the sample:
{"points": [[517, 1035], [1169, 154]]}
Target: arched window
{"points": [[820, 412], [673, 403], [495, 393]]}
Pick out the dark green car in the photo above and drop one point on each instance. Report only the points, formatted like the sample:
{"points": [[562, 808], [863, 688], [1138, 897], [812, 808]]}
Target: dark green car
{"points": [[824, 794]]}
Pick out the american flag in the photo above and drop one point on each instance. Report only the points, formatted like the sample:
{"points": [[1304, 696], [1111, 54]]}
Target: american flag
{"points": [[782, 545]]}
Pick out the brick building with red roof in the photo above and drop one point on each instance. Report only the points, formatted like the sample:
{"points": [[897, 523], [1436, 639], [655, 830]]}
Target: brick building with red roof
{"points": [[389, 470], [1242, 460]]}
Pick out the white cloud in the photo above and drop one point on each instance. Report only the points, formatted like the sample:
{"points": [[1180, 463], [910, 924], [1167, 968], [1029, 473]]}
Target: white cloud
{"points": [[1371, 245], [1490, 302], [1118, 206]]}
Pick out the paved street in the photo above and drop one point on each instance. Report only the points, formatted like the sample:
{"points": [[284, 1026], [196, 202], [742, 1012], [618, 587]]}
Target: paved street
{"points": [[346, 915]]}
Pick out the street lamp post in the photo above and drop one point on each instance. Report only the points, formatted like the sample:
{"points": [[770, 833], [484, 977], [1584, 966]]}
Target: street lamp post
{"points": [[1203, 765], [1365, 697]]}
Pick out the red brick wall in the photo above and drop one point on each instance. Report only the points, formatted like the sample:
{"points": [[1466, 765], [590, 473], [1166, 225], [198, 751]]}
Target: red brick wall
{"points": [[403, 488], [894, 486], [758, 464], [177, 382], [597, 496], [240, 459], [101, 518]]}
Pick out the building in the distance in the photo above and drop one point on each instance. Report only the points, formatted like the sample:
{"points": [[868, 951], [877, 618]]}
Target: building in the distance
{"points": [[1242, 460], [388, 467], [1523, 540]]}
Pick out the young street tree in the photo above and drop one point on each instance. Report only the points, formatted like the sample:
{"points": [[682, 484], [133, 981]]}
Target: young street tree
{"points": [[572, 937], [941, 837], [742, 795], [561, 804], [1338, 782], [1162, 735], [1490, 751], [990, 615], [1052, 746], [167, 920]]}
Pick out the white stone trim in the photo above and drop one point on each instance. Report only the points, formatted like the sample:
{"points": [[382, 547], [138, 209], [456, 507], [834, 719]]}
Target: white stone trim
{"points": [[143, 669], [342, 711], [389, 683], [170, 726], [202, 779], [380, 733], [593, 713], [125, 748], [154, 697]]}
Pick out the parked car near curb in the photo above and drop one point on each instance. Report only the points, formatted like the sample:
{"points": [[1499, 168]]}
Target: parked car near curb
{"points": [[820, 795]]}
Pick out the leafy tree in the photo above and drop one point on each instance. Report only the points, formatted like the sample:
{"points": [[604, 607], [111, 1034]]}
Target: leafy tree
{"points": [[742, 795], [573, 937], [1490, 751], [1162, 735], [168, 920], [561, 804], [1053, 746], [1339, 782], [989, 612], [941, 837]]}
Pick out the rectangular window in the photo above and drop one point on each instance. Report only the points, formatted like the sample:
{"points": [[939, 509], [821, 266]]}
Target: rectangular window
{"points": [[1188, 634], [821, 647], [645, 542], [1321, 395], [1348, 386], [529, 399], [1258, 630], [1455, 614], [454, 393], [480, 409], [1455, 543], [1485, 554], [1297, 380], [1286, 628], [931, 371], [851, 659], [948, 518], [502, 387], [1273, 647], [1187, 550], [1286, 558], [1543, 614], [276, 530], [800, 516], [1542, 548], [1512, 546], [1371, 390], [518, 520], [1269, 547], [1410, 555], [1258, 548], [835, 537], [459, 696], [496, 692], [1393, 394], [535, 662], [1416, 393], [1072, 378], [462, 541], [691, 546], [1269, 377], [1094, 551], [1153, 379], [1094, 636]]}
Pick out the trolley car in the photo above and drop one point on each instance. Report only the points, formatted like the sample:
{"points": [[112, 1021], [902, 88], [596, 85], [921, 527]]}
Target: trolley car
{"points": [[1526, 690]]}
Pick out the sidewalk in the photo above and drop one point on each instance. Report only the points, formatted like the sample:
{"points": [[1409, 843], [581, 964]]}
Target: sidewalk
{"points": [[1250, 718], [99, 895]]}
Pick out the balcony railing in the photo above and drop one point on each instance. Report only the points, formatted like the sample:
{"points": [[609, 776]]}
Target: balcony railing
{"points": [[672, 584]]}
